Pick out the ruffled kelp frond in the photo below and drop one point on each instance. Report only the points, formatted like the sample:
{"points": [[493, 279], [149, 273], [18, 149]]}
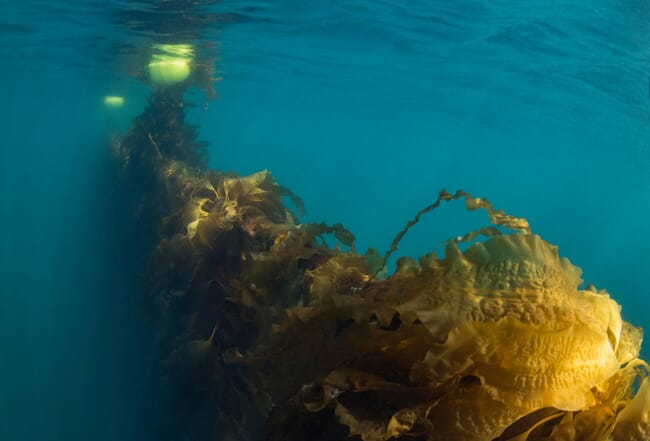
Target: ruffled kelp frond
{"points": [[496, 342]]}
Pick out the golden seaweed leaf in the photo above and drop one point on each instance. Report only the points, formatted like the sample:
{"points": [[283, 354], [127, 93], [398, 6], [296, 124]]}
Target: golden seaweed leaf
{"points": [[487, 337], [633, 422]]}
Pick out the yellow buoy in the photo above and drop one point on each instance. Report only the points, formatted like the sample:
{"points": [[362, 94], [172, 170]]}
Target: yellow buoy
{"points": [[171, 64], [113, 101]]}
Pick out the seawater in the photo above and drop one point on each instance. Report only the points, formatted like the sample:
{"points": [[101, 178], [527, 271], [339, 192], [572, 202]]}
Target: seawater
{"points": [[365, 109]]}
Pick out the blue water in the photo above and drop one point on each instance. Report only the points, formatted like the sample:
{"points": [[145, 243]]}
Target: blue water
{"points": [[363, 108]]}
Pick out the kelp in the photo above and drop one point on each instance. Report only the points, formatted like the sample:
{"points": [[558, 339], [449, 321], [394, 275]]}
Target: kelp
{"points": [[460, 348], [270, 332]]}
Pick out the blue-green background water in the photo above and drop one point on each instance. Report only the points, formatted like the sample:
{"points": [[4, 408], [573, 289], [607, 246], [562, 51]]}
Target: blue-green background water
{"points": [[363, 108]]}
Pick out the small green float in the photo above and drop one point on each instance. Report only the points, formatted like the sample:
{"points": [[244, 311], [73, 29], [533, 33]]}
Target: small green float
{"points": [[113, 101]]}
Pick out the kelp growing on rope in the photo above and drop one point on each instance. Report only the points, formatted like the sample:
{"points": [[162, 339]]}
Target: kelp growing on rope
{"points": [[268, 332]]}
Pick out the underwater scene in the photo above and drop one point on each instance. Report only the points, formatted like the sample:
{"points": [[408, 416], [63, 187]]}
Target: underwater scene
{"points": [[297, 220]]}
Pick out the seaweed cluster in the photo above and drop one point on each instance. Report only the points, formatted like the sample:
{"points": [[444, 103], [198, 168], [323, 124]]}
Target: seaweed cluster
{"points": [[269, 332]]}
